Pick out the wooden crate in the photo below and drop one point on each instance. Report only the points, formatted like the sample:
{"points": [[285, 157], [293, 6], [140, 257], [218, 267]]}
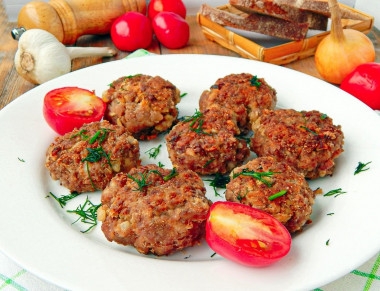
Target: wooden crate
{"points": [[279, 54]]}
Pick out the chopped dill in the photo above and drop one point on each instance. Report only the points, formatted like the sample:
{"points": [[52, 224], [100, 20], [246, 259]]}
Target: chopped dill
{"points": [[278, 194], [96, 155], [82, 134], [239, 197], [161, 165], [208, 162], [327, 242], [87, 214], [141, 183], [330, 214], [171, 175], [324, 116], [153, 152], [21, 160], [183, 95], [64, 198], [335, 192], [219, 181], [361, 167], [212, 255], [254, 82], [257, 175], [131, 76], [309, 130], [196, 117]]}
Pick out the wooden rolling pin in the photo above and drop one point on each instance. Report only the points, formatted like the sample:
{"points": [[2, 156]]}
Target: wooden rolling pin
{"points": [[69, 19]]}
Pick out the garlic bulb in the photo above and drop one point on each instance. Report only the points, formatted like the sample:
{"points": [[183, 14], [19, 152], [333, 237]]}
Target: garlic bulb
{"points": [[40, 57]]}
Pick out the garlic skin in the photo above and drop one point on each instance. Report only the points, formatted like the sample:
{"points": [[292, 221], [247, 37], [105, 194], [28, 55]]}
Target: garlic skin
{"points": [[41, 57]]}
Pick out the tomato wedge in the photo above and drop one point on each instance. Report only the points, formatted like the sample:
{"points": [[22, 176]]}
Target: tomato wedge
{"points": [[70, 107], [246, 235]]}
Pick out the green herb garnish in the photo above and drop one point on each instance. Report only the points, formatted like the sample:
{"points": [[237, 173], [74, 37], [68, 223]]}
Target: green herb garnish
{"points": [[327, 242], [183, 95], [335, 192], [324, 116], [196, 117], [96, 155], [219, 181], [361, 167], [254, 82], [131, 76], [239, 197], [171, 175], [161, 165], [153, 152], [309, 130], [257, 175], [87, 214], [63, 199], [141, 183], [81, 133], [21, 160], [208, 162], [278, 194], [213, 255], [331, 213]]}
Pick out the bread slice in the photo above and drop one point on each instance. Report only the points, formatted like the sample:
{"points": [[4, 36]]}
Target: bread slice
{"points": [[284, 9], [255, 22], [321, 7]]}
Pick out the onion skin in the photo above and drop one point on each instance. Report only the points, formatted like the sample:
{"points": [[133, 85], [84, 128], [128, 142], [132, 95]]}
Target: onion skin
{"points": [[339, 53], [335, 59]]}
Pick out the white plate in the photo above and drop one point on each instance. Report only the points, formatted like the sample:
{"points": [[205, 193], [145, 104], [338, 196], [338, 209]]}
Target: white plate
{"points": [[38, 234]]}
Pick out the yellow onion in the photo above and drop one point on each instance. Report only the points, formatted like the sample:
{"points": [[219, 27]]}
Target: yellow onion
{"points": [[342, 50]]}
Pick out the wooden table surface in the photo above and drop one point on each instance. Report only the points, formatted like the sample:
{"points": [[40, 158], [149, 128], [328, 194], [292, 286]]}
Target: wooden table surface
{"points": [[12, 85]]}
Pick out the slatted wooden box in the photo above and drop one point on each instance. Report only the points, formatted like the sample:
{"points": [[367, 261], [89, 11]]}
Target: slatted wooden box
{"points": [[278, 54]]}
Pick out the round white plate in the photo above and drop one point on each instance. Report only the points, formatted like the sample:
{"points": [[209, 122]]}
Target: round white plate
{"points": [[40, 236]]}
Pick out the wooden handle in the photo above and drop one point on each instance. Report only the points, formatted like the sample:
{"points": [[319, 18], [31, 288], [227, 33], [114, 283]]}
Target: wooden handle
{"points": [[69, 19]]}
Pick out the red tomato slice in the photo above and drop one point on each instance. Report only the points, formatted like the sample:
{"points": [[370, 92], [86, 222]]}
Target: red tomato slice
{"points": [[71, 107], [246, 235], [364, 84]]}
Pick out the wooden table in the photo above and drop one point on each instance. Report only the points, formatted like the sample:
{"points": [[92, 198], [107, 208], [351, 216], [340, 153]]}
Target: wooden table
{"points": [[12, 85]]}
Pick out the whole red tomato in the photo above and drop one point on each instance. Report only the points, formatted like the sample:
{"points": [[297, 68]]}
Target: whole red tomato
{"points": [[157, 6], [171, 29], [132, 31], [246, 235], [70, 107], [364, 84]]}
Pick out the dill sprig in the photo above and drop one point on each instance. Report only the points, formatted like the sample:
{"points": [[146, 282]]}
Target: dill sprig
{"points": [[82, 134], [64, 198], [87, 214], [96, 155], [171, 175], [141, 183], [324, 116], [254, 82], [208, 162], [335, 192], [278, 194], [183, 95], [239, 197], [219, 181], [257, 175], [196, 117], [161, 165], [153, 152], [309, 130], [21, 160], [361, 167]]}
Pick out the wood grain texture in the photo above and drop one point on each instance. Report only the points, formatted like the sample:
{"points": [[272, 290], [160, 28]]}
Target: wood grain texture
{"points": [[12, 85]]}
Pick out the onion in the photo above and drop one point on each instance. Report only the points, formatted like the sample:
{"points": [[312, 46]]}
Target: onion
{"points": [[342, 50]]}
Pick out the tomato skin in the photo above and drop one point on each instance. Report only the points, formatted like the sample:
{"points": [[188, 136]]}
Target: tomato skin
{"points": [[157, 6], [257, 240], [364, 84], [132, 31], [70, 107], [171, 29]]}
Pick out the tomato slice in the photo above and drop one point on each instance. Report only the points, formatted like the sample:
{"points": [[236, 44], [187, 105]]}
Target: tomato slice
{"points": [[70, 107], [246, 235]]}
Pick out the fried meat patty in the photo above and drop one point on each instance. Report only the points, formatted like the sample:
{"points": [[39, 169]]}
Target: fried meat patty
{"points": [[145, 105], [253, 183], [162, 215], [86, 159], [308, 140], [207, 143], [244, 94]]}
